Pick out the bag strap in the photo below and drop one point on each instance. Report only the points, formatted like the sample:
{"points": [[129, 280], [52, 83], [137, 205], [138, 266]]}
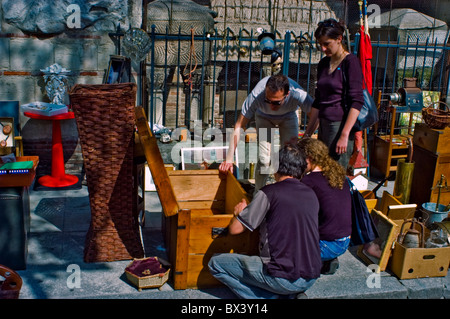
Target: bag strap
{"points": [[344, 83], [352, 186]]}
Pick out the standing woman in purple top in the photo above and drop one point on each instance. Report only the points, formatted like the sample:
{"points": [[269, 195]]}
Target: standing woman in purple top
{"points": [[336, 113]]}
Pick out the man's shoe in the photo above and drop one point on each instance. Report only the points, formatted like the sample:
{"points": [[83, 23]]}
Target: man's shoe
{"points": [[329, 267]]}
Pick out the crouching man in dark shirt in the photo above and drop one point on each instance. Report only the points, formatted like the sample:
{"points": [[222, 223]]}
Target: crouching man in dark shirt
{"points": [[287, 216]]}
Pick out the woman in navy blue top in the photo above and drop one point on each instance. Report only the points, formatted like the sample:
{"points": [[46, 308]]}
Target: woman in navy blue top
{"points": [[335, 112]]}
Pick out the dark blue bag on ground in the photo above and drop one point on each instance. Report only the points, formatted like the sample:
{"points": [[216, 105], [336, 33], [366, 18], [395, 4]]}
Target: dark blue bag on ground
{"points": [[363, 228]]}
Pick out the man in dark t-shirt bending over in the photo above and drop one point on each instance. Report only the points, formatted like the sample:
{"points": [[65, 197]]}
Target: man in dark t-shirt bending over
{"points": [[287, 216]]}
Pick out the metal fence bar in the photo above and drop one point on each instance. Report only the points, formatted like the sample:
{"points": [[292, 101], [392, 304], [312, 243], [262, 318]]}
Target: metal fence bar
{"points": [[165, 92], [422, 78], [432, 63], [435, 52], [287, 49], [297, 77], [376, 61], [406, 57], [178, 78], [305, 119], [202, 81], [152, 75], [250, 63], [395, 66], [226, 77], [237, 77], [444, 53], [214, 79], [415, 57]]}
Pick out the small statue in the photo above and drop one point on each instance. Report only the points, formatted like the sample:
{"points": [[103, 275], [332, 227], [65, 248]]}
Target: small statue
{"points": [[55, 78]]}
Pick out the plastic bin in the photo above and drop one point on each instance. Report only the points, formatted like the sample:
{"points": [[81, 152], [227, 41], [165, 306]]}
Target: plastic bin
{"points": [[14, 226], [22, 179]]}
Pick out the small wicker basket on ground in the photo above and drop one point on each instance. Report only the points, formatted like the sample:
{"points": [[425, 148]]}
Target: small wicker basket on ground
{"points": [[436, 118], [141, 272], [11, 285]]}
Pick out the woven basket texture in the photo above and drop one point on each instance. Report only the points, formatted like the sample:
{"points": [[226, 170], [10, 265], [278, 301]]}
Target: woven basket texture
{"points": [[436, 118], [149, 281], [105, 118]]}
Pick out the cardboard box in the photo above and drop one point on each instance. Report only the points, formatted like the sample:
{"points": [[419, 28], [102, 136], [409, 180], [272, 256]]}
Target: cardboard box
{"points": [[405, 263], [408, 263], [198, 206]]}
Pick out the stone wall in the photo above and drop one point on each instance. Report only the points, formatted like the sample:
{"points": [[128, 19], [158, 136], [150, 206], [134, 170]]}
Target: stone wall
{"points": [[41, 37], [37, 34]]}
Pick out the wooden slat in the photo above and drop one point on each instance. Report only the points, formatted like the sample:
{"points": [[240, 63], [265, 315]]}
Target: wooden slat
{"points": [[234, 194], [198, 273], [203, 240], [212, 172], [182, 253], [206, 187], [435, 141], [371, 204], [156, 164], [387, 200], [202, 247], [202, 204], [389, 231], [406, 211]]}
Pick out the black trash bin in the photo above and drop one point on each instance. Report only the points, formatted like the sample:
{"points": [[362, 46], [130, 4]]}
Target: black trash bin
{"points": [[14, 226]]}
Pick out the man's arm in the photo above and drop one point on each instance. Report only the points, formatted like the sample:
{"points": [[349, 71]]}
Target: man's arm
{"points": [[235, 227], [249, 216], [227, 165], [313, 122]]}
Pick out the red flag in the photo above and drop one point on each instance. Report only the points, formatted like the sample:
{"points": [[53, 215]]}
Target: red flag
{"points": [[365, 57]]}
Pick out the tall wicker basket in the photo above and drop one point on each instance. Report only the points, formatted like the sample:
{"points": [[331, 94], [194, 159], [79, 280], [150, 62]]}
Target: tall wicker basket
{"points": [[105, 119]]}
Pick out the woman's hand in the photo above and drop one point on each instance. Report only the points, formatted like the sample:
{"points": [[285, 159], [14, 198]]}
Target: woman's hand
{"points": [[341, 145], [225, 166], [239, 207]]}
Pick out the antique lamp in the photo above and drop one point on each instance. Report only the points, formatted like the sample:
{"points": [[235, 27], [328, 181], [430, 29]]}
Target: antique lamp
{"points": [[266, 42]]}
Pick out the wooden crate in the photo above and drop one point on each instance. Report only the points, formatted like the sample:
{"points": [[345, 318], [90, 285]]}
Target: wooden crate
{"points": [[425, 179], [387, 152], [198, 206], [435, 141], [22, 179], [432, 155]]}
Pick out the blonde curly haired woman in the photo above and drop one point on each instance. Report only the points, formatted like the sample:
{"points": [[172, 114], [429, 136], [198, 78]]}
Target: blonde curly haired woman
{"points": [[328, 180]]}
